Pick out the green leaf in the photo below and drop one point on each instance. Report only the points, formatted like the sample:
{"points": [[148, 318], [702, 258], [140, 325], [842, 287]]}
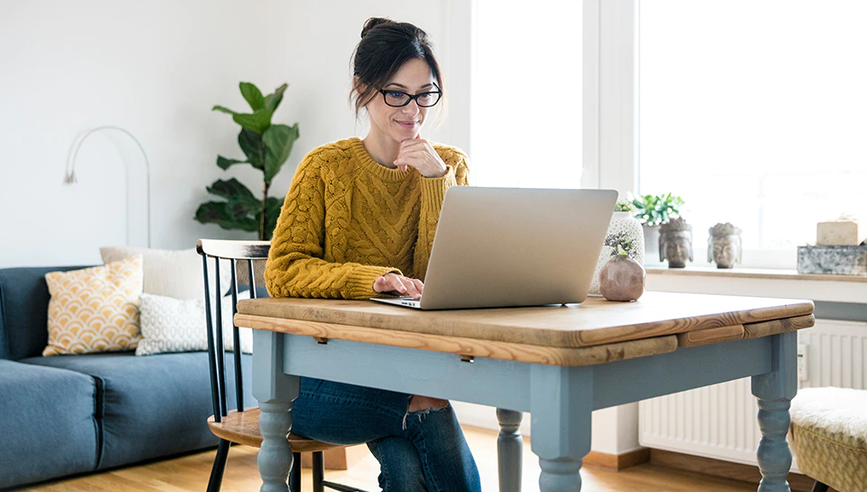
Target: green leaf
{"points": [[258, 122], [252, 95], [222, 214], [278, 141], [225, 163], [254, 149], [235, 193], [224, 110], [273, 100]]}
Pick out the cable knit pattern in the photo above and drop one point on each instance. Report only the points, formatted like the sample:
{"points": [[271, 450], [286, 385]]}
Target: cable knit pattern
{"points": [[348, 220]]}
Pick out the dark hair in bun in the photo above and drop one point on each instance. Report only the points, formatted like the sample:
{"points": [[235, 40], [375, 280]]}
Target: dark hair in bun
{"points": [[384, 47], [374, 22]]}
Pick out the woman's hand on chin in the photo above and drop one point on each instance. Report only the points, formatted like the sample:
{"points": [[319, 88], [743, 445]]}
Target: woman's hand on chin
{"points": [[420, 154]]}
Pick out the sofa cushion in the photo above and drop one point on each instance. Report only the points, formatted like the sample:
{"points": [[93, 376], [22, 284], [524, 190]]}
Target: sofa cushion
{"points": [[95, 309], [48, 425], [152, 406], [24, 310], [170, 273], [178, 325]]}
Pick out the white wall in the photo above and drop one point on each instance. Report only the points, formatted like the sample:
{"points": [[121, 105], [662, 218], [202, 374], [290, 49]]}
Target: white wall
{"points": [[156, 68]]}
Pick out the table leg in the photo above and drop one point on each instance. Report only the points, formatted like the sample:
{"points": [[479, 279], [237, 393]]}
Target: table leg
{"points": [[275, 392], [775, 391], [561, 407], [510, 450]]}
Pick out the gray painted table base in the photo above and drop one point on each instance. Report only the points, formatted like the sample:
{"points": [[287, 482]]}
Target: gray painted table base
{"points": [[510, 450], [560, 399]]}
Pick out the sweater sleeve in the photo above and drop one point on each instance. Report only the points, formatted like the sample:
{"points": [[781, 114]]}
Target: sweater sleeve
{"points": [[433, 191], [295, 267]]}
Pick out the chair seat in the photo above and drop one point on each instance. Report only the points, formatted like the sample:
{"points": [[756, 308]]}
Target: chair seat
{"points": [[829, 436], [243, 428]]}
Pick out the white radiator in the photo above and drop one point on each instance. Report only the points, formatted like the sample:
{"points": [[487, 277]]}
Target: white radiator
{"points": [[720, 421]]}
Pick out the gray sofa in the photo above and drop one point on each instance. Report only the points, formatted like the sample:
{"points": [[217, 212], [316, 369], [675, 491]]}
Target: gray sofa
{"points": [[73, 414]]}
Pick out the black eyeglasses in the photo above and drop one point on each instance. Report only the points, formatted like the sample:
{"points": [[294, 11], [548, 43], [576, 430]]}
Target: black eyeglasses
{"points": [[399, 99]]}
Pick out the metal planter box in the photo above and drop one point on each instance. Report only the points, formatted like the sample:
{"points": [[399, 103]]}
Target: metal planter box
{"points": [[835, 260]]}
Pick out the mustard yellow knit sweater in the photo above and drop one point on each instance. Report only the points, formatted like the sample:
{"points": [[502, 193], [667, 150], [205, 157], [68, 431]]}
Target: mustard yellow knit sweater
{"points": [[347, 220]]}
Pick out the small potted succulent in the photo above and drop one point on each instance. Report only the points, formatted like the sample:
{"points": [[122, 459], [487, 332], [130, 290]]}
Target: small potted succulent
{"points": [[652, 211], [621, 278], [622, 221]]}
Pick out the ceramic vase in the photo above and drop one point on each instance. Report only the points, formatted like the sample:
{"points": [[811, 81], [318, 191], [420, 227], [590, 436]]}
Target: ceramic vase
{"points": [[651, 245], [620, 222], [622, 279]]}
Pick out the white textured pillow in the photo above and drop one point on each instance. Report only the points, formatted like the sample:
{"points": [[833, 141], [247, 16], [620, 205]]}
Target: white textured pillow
{"points": [[170, 273], [178, 325]]}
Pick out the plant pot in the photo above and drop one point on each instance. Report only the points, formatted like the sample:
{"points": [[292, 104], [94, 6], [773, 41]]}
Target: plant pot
{"points": [[258, 273], [622, 279], [651, 245], [620, 222]]}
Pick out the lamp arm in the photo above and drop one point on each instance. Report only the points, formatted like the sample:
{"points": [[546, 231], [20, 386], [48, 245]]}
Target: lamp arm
{"points": [[71, 178]]}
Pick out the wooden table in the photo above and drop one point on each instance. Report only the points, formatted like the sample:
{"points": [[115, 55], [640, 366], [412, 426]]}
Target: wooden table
{"points": [[557, 362]]}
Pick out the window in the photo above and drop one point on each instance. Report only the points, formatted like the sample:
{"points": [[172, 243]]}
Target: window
{"points": [[754, 111], [526, 86]]}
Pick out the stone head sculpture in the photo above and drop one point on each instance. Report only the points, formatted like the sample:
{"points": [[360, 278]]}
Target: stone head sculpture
{"points": [[724, 245], [675, 243]]}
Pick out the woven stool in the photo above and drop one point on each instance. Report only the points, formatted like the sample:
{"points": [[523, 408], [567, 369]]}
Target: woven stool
{"points": [[829, 437]]}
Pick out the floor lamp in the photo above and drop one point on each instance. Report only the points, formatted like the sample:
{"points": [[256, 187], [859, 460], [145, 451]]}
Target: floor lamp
{"points": [[71, 178]]}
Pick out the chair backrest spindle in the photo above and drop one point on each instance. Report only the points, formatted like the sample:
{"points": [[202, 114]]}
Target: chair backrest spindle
{"points": [[218, 338], [209, 324], [252, 279], [236, 339]]}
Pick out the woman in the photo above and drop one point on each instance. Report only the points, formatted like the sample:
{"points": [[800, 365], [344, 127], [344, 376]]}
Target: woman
{"points": [[358, 222]]}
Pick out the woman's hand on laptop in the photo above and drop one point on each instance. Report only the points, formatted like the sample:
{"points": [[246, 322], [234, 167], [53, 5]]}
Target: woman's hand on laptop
{"points": [[393, 283]]}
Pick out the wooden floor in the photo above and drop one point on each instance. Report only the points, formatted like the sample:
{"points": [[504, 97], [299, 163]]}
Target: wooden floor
{"points": [[190, 474]]}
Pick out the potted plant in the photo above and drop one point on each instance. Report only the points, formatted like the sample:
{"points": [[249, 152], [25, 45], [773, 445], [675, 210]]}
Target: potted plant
{"points": [[266, 147], [621, 278], [622, 221], [652, 211]]}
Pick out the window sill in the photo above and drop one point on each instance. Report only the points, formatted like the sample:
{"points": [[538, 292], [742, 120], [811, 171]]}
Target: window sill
{"points": [[759, 283], [762, 273]]}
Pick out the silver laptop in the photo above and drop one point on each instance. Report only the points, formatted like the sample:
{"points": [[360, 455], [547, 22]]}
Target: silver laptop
{"points": [[509, 247]]}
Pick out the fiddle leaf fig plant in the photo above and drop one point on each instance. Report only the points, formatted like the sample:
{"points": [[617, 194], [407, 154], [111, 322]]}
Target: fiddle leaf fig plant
{"points": [[654, 210], [266, 147]]}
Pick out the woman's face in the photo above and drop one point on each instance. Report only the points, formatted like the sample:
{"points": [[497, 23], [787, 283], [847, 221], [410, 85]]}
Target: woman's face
{"points": [[399, 124]]}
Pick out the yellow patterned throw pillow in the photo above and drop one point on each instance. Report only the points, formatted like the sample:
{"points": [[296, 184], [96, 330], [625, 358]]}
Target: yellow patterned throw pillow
{"points": [[94, 309]]}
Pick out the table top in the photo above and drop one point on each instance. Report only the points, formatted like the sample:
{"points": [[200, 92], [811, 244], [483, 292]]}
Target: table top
{"points": [[595, 331]]}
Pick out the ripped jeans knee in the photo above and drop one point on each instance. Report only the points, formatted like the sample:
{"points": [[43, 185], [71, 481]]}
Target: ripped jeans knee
{"points": [[421, 406]]}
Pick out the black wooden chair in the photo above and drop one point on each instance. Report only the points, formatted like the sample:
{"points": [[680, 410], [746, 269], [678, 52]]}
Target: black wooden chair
{"points": [[241, 425]]}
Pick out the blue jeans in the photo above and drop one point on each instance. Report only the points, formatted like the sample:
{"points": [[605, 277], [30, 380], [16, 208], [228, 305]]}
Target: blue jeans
{"points": [[417, 451]]}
